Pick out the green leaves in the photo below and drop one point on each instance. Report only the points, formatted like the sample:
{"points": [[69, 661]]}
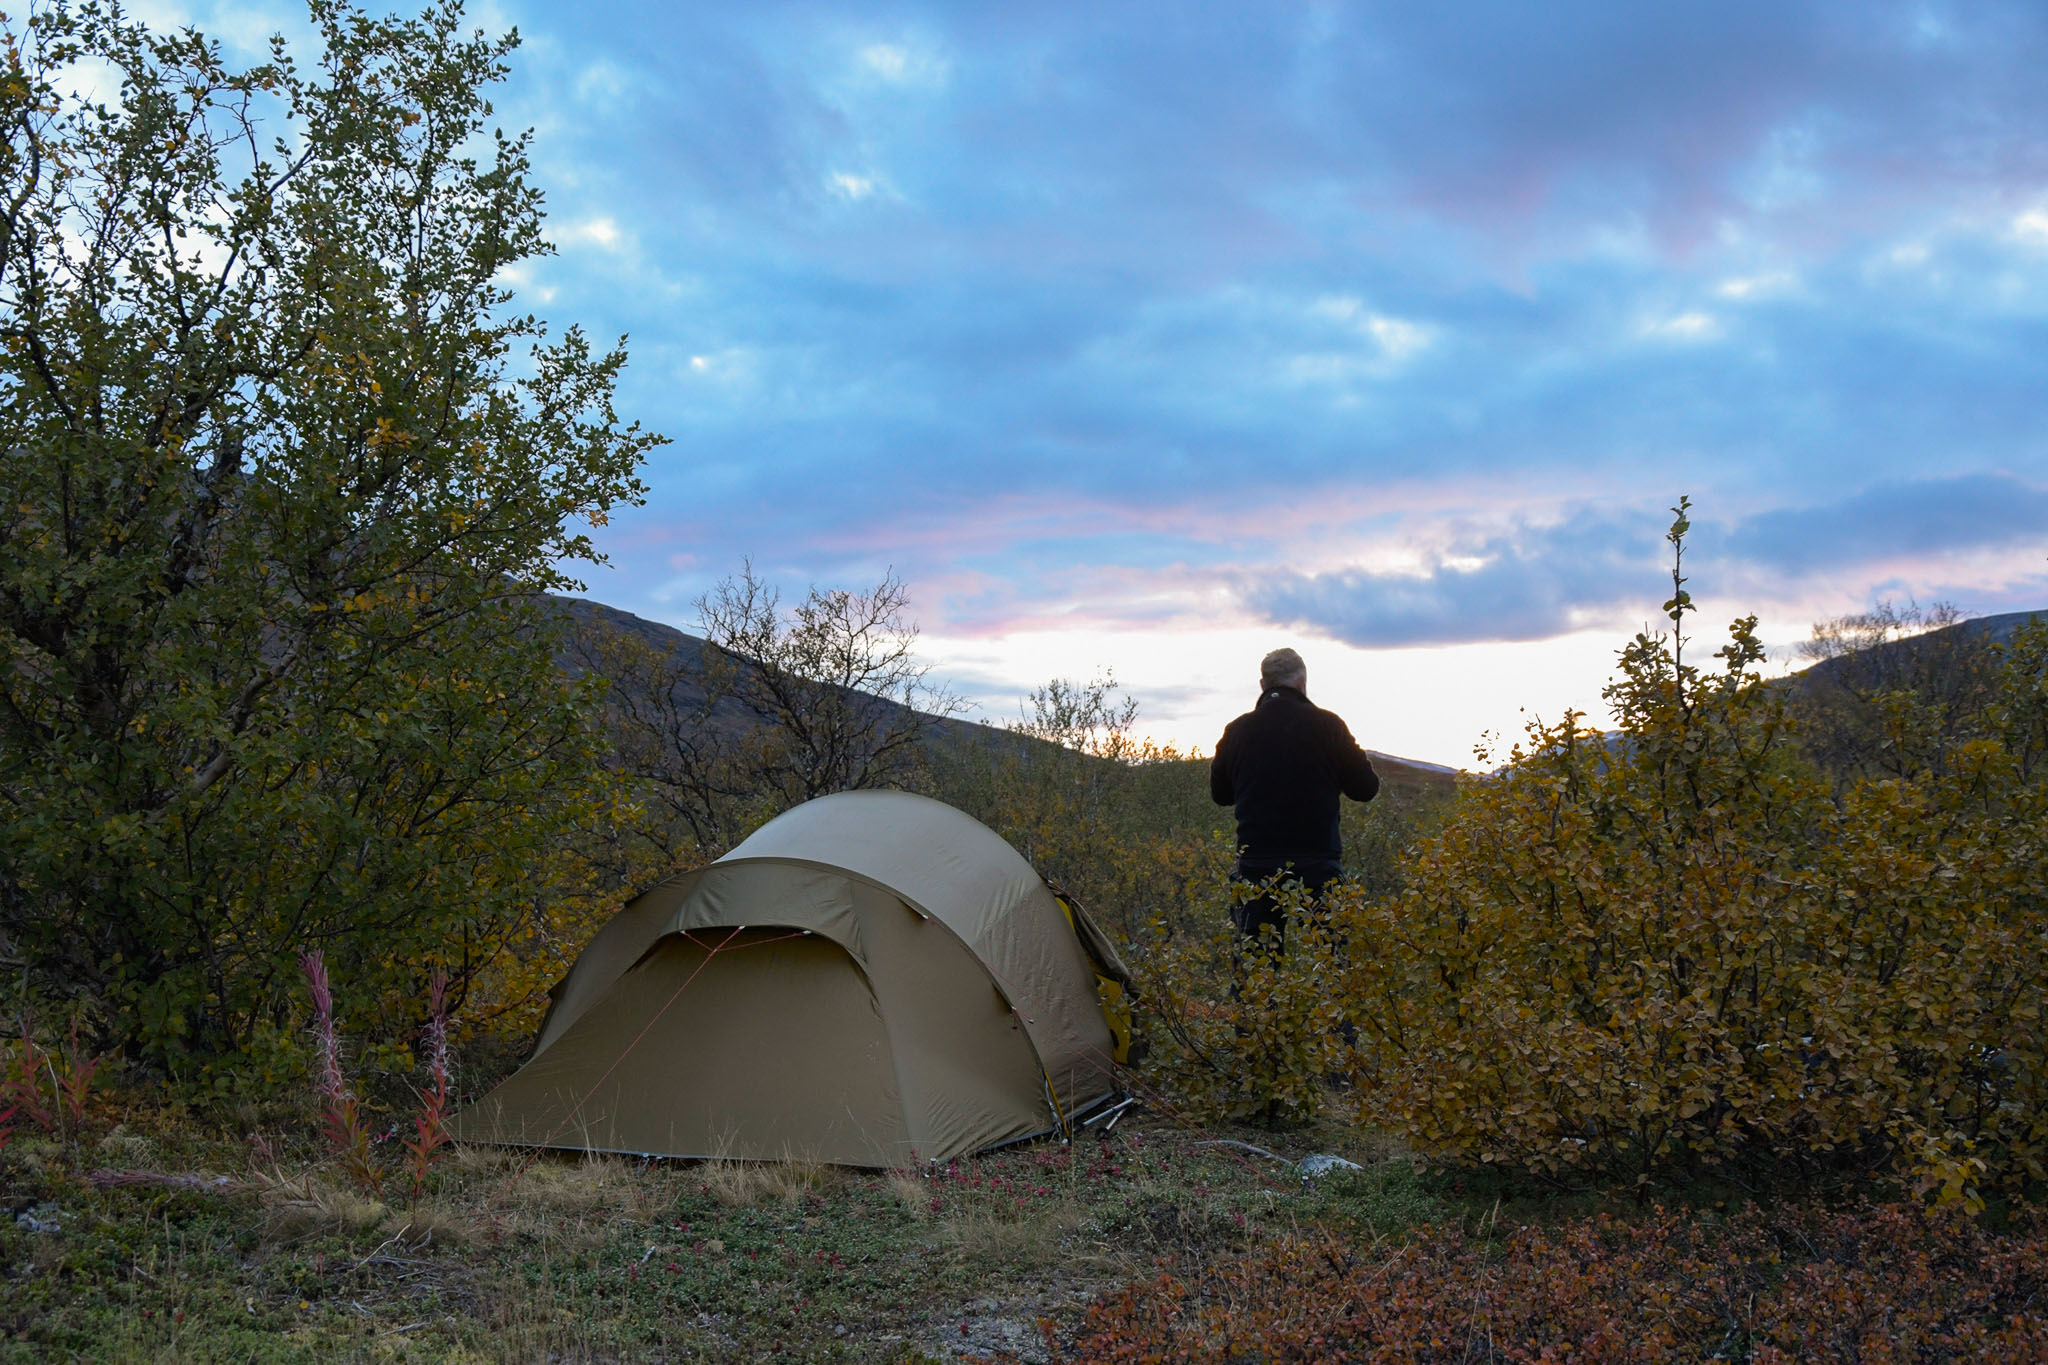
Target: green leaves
{"points": [[1681, 600], [275, 498]]}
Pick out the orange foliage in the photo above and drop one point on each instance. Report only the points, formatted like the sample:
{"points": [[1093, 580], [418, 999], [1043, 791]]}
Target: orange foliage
{"points": [[1803, 1284]]}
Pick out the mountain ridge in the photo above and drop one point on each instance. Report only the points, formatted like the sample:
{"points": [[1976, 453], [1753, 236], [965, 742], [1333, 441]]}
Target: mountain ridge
{"points": [[685, 651]]}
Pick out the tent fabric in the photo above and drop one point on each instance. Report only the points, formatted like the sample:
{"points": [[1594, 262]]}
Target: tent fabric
{"points": [[871, 979]]}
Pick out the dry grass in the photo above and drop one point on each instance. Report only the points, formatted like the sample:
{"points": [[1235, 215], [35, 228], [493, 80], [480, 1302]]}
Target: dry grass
{"points": [[751, 1184], [914, 1194], [474, 1159], [572, 1202], [485, 1196], [441, 1223], [555, 1329], [294, 1210], [578, 1186], [1014, 1237]]}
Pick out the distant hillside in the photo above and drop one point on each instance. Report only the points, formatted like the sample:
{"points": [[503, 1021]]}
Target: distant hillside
{"points": [[1895, 656], [1402, 776], [1949, 678], [685, 652]]}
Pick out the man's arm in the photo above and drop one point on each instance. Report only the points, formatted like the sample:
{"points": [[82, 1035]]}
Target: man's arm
{"points": [[1355, 777], [1221, 790]]}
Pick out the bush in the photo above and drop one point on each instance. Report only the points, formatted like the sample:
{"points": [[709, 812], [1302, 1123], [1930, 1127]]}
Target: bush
{"points": [[281, 481], [1642, 954], [1243, 1031], [1123, 824]]}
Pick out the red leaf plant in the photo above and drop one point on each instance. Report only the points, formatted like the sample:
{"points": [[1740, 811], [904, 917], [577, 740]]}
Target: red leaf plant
{"points": [[431, 1124], [342, 1119]]}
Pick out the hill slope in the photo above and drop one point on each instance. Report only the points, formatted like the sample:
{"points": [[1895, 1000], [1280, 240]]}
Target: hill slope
{"points": [[684, 651], [1912, 659]]}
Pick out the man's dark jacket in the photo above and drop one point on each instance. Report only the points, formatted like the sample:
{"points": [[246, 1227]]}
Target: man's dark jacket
{"points": [[1283, 764]]}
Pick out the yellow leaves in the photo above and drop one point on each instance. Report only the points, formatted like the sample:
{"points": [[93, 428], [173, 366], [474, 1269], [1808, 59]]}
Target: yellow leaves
{"points": [[386, 434], [1663, 956], [1947, 1171]]}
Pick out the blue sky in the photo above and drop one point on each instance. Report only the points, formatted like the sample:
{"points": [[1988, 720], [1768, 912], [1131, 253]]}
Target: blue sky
{"points": [[1150, 336]]}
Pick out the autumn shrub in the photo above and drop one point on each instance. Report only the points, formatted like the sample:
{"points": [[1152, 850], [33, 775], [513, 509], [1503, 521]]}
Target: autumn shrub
{"points": [[1122, 823], [1642, 954], [1242, 1029], [1792, 1284]]}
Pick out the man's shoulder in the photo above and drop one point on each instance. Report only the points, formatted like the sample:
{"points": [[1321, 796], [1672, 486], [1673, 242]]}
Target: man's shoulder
{"points": [[1333, 725], [1328, 717]]}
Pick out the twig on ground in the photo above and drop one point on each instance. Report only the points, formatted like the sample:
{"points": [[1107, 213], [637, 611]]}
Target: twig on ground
{"points": [[1245, 1147], [196, 1184]]}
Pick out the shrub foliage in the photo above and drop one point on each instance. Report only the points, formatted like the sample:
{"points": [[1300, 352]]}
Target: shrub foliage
{"points": [[1674, 947], [1245, 1030], [275, 495]]}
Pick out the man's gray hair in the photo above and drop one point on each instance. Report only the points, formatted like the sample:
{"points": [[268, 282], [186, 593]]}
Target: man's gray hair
{"points": [[1281, 666]]}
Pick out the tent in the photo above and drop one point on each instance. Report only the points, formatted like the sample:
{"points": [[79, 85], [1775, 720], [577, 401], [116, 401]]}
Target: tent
{"points": [[870, 979]]}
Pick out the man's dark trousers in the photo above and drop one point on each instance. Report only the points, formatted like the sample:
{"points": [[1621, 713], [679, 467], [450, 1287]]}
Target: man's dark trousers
{"points": [[1263, 912]]}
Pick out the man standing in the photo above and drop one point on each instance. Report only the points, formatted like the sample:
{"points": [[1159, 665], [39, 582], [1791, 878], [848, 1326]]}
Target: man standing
{"points": [[1283, 765]]}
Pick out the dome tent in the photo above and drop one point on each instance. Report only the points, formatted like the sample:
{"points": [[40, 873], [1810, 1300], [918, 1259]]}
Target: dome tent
{"points": [[870, 979]]}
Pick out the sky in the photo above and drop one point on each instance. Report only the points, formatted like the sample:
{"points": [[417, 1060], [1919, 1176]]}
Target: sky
{"points": [[1146, 337]]}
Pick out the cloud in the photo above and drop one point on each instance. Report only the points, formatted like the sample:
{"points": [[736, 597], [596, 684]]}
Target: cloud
{"points": [[1536, 582], [1691, 325], [1396, 338], [1065, 295], [887, 61], [1528, 583], [907, 63], [1893, 521], [1767, 285], [1756, 111], [604, 83], [602, 233], [851, 187]]}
